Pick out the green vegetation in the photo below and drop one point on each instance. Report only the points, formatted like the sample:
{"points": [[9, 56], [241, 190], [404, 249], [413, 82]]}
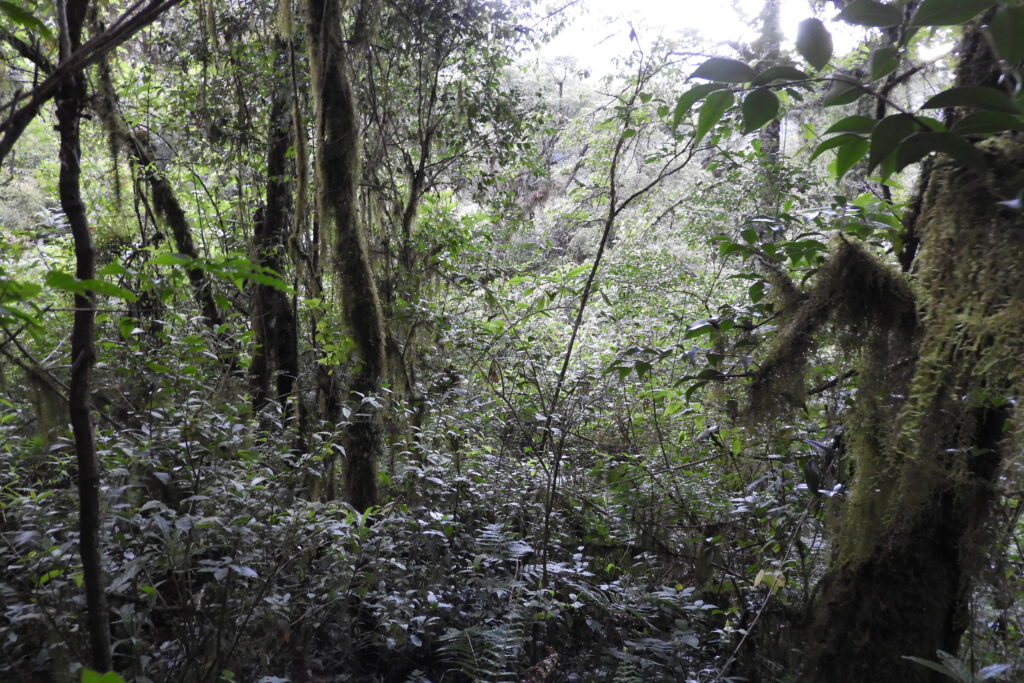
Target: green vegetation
{"points": [[349, 341]]}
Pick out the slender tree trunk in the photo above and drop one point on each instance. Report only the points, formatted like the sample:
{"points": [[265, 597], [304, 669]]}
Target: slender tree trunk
{"points": [[164, 199], [70, 100], [769, 44], [338, 166], [275, 361], [914, 529]]}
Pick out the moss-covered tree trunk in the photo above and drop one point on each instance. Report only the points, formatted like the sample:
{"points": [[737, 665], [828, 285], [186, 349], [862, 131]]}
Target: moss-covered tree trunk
{"points": [[338, 167], [275, 363], [165, 201], [932, 432]]}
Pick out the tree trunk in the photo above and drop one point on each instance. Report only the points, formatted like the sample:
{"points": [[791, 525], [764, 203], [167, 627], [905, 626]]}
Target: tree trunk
{"points": [[338, 167], [913, 531], [164, 199], [69, 105], [275, 363]]}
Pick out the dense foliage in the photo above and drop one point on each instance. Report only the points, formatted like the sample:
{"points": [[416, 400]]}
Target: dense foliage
{"points": [[402, 354]]}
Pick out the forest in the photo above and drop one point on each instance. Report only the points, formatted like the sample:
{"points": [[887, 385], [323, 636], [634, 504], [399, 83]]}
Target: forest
{"points": [[369, 340]]}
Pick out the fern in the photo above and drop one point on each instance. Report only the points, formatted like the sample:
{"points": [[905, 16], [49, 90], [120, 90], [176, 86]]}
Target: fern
{"points": [[486, 653], [630, 672]]}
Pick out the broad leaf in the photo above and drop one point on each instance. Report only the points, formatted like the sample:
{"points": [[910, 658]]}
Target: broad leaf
{"points": [[759, 107], [710, 374], [852, 124], [884, 61], [917, 146], [832, 143], [814, 42], [109, 289], [844, 90], [168, 259], [849, 154], [871, 13], [61, 280], [948, 12], [779, 73], [711, 112], [90, 676], [929, 122], [987, 122], [724, 70], [1007, 33], [689, 98], [888, 134], [21, 16], [974, 96], [934, 666]]}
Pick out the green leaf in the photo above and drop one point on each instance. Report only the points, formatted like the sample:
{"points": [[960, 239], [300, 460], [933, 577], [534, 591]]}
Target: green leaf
{"points": [[934, 666], [12, 290], [852, 124], [814, 42], [168, 259], [109, 289], [888, 134], [711, 112], [779, 73], [948, 12], [1006, 32], [21, 16], [987, 122], [871, 13], [929, 122], [832, 143], [917, 146], [61, 280], [90, 676], [724, 70], [689, 98], [759, 107], [849, 154], [843, 90], [884, 61], [693, 389], [698, 328], [975, 96], [112, 268], [710, 374]]}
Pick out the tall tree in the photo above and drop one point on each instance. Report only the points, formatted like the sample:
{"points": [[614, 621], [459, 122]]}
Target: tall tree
{"points": [[338, 166], [275, 356], [70, 100], [930, 439]]}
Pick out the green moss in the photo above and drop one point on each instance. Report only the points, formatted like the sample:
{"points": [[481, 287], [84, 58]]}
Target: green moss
{"points": [[864, 300]]}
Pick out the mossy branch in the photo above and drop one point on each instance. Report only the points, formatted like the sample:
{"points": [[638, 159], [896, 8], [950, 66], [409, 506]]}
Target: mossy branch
{"points": [[853, 291]]}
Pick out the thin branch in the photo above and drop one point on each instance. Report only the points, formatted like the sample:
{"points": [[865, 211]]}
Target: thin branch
{"points": [[91, 52]]}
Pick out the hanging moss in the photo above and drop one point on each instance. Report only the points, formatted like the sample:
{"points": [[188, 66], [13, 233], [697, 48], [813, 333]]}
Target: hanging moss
{"points": [[339, 170], [867, 302], [929, 450]]}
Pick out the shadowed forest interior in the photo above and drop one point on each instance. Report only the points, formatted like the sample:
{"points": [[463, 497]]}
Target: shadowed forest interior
{"points": [[374, 340]]}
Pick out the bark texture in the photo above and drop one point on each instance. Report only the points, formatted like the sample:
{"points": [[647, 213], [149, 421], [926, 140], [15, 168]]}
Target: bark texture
{"points": [[338, 168], [929, 447], [275, 363], [165, 201], [70, 100]]}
